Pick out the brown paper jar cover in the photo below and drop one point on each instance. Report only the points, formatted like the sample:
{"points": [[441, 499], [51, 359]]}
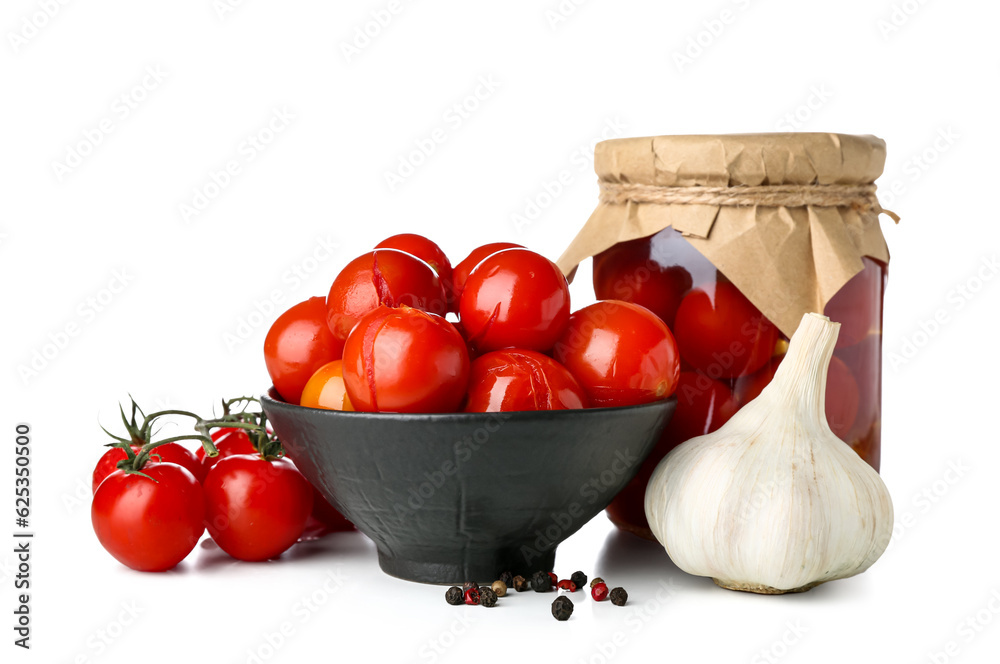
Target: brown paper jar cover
{"points": [[787, 259]]}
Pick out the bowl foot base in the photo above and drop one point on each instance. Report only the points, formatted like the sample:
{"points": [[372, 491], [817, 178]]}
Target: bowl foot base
{"points": [[484, 567]]}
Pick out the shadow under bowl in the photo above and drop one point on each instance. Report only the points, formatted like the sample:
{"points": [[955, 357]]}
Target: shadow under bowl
{"points": [[455, 497]]}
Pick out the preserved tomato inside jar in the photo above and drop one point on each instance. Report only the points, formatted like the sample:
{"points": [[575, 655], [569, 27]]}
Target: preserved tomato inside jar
{"points": [[730, 351]]}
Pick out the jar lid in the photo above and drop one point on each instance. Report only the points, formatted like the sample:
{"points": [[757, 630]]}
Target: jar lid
{"points": [[741, 159], [786, 217]]}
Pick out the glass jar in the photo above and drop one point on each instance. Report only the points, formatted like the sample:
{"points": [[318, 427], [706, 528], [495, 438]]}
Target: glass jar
{"points": [[729, 350], [731, 239]]}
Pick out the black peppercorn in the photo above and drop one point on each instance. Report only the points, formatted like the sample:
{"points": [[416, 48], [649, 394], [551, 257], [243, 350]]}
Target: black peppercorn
{"points": [[520, 583], [541, 582], [487, 597], [595, 581], [562, 608], [507, 578], [618, 596], [469, 584], [454, 595], [579, 578]]}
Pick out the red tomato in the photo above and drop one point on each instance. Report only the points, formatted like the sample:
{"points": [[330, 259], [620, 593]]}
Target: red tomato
{"points": [[720, 333], [297, 344], [425, 250], [621, 354], [169, 453], [326, 389], [324, 519], [864, 360], [703, 405], [406, 361], [510, 380], [461, 272], [857, 306], [229, 441], [148, 524], [627, 271], [842, 399], [382, 277], [255, 509], [749, 387], [515, 299]]}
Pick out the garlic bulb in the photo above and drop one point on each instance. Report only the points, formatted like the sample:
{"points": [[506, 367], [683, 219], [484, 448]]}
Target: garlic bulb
{"points": [[773, 502]]}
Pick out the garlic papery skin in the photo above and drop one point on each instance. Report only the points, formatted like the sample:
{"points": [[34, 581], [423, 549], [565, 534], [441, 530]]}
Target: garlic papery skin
{"points": [[773, 502]]}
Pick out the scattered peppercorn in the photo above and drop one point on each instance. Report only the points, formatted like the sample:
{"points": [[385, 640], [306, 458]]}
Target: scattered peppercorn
{"points": [[562, 608], [499, 587], [520, 583], [541, 582], [599, 592], [454, 596], [579, 578], [618, 596], [507, 578], [595, 581], [487, 597], [554, 579], [472, 596], [470, 584], [566, 584]]}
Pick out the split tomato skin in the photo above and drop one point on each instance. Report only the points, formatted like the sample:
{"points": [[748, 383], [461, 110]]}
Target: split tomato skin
{"points": [[519, 380], [461, 272], [149, 525], [228, 441], [326, 388], [255, 509], [721, 333], [405, 361], [423, 248], [382, 277], [298, 343], [622, 354], [168, 453], [515, 298]]}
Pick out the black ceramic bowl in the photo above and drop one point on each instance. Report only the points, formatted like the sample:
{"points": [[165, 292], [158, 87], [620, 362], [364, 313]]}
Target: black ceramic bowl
{"points": [[457, 497]]}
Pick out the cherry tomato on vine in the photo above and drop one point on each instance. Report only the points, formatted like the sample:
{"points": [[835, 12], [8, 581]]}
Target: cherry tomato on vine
{"points": [[256, 508], [297, 344], [461, 272], [326, 388], [515, 298], [424, 249], [149, 523], [324, 519], [168, 453], [515, 379], [382, 277], [407, 361], [228, 441], [721, 333], [621, 353]]}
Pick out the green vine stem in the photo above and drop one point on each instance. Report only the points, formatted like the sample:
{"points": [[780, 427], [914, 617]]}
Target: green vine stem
{"points": [[253, 422]]}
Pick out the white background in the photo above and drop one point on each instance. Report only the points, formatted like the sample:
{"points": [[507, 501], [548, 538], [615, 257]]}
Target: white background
{"points": [[923, 76]]}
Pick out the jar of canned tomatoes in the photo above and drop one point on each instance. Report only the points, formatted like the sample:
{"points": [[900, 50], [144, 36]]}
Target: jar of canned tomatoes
{"points": [[730, 239]]}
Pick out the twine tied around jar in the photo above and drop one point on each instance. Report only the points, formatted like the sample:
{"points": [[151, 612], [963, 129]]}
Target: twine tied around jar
{"points": [[859, 197]]}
